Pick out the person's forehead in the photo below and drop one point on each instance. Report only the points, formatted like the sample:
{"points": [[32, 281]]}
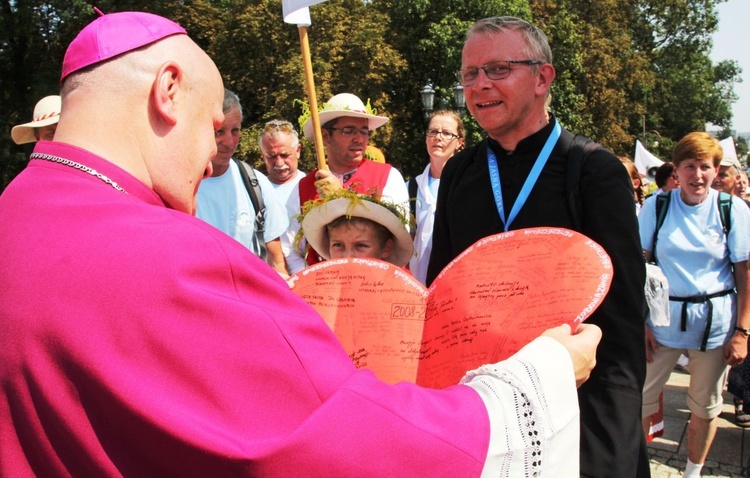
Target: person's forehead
{"points": [[696, 161], [357, 227], [496, 45], [277, 139], [232, 119], [350, 121], [444, 120]]}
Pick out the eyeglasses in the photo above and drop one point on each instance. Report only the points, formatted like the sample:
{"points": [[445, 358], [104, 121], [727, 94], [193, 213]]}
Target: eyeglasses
{"points": [[352, 130], [495, 70], [431, 133]]}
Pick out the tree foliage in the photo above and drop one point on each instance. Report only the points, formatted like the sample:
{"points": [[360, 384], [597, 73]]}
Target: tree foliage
{"points": [[625, 69]]}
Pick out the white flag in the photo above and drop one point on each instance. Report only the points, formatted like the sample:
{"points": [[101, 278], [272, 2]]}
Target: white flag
{"points": [[296, 11], [645, 162]]}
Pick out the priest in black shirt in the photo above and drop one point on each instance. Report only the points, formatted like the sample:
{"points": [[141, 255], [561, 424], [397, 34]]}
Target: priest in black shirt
{"points": [[519, 178]]}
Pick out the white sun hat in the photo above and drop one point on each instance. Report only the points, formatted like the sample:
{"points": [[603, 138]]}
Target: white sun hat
{"points": [[343, 105], [326, 211], [46, 112]]}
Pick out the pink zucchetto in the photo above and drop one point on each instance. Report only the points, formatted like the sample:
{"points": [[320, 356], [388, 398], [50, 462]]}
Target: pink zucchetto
{"points": [[114, 34]]}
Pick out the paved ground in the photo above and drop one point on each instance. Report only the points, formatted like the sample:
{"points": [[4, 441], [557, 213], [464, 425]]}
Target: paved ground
{"points": [[731, 448]]}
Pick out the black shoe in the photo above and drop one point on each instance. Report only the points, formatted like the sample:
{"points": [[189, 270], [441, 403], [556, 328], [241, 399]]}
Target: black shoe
{"points": [[741, 418]]}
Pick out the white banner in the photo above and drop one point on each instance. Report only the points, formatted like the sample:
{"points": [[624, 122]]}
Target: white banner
{"points": [[645, 162], [296, 11]]}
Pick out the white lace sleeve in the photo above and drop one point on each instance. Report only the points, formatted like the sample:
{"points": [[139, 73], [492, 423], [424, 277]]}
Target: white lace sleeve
{"points": [[532, 405]]}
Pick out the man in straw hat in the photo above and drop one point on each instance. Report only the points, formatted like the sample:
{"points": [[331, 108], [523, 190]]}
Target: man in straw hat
{"points": [[46, 114], [163, 347], [346, 128]]}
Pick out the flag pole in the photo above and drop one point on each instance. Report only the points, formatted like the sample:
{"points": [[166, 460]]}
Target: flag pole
{"points": [[312, 98]]}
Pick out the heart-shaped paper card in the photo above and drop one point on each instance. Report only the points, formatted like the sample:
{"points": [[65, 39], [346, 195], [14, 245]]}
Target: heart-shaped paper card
{"points": [[497, 296]]}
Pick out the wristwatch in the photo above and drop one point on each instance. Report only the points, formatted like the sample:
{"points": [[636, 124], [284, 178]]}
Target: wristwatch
{"points": [[745, 332]]}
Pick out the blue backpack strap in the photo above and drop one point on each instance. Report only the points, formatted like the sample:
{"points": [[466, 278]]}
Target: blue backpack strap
{"points": [[725, 214]]}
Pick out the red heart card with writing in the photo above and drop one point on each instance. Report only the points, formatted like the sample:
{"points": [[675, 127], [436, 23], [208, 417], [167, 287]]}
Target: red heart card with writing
{"points": [[494, 298]]}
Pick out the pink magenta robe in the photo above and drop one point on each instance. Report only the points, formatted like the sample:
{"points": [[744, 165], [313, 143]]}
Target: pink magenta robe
{"points": [[140, 341]]}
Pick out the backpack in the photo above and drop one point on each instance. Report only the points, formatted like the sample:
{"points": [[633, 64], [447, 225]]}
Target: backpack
{"points": [[256, 197], [662, 206], [579, 149]]}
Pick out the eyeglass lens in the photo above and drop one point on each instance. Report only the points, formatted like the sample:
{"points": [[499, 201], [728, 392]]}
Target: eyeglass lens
{"points": [[352, 130], [443, 134], [496, 70]]}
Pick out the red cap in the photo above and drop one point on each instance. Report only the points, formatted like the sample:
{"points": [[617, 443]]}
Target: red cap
{"points": [[113, 34]]}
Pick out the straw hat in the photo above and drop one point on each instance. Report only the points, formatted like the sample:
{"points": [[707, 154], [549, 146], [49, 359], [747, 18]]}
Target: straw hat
{"points": [[46, 112], [347, 105], [326, 211]]}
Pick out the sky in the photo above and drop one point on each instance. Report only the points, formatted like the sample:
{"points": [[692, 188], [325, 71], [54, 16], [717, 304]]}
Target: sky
{"points": [[730, 43]]}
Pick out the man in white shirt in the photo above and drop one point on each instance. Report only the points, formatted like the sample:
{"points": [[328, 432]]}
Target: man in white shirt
{"points": [[224, 200], [280, 148]]}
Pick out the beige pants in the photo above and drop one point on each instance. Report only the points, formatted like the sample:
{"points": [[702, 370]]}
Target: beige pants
{"points": [[708, 375]]}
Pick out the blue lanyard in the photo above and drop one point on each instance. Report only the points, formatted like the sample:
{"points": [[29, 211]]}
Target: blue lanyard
{"points": [[530, 180]]}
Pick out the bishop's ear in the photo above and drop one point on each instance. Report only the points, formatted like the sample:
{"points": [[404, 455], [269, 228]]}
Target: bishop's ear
{"points": [[166, 87]]}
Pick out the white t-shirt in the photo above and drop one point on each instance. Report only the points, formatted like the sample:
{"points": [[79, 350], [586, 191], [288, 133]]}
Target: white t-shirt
{"points": [[224, 203], [284, 190]]}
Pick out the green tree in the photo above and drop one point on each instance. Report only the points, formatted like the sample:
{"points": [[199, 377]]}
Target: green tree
{"points": [[623, 67], [688, 90], [740, 144], [597, 67]]}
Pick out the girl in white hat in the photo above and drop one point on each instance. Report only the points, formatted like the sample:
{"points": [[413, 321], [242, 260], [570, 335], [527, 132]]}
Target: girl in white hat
{"points": [[346, 224]]}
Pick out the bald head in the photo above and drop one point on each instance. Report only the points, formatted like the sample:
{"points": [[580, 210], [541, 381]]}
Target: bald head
{"points": [[152, 111]]}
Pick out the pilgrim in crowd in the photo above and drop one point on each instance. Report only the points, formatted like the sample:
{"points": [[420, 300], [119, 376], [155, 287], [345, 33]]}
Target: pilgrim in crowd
{"points": [[702, 248], [445, 136], [346, 126], [280, 148], [240, 200]]}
